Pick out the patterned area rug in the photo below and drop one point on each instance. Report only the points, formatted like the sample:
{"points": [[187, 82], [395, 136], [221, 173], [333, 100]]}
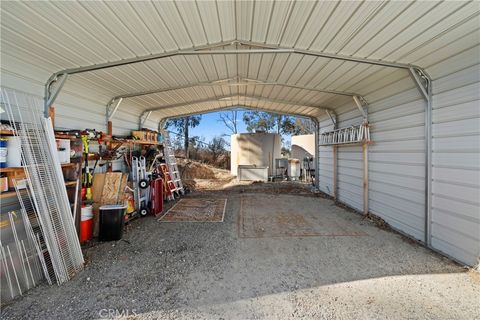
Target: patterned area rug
{"points": [[289, 216], [196, 210]]}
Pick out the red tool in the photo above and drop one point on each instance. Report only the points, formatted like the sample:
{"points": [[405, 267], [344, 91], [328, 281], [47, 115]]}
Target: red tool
{"points": [[156, 196], [169, 185]]}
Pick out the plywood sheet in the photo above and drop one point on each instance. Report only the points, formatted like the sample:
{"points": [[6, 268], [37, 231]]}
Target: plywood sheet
{"points": [[111, 188], [97, 186]]}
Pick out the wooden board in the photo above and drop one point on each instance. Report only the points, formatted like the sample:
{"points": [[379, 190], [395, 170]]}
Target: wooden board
{"points": [[121, 191], [111, 188], [107, 188], [97, 186]]}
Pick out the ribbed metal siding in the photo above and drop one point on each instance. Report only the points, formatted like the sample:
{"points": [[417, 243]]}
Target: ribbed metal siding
{"points": [[325, 164], [456, 156], [349, 162], [397, 156]]}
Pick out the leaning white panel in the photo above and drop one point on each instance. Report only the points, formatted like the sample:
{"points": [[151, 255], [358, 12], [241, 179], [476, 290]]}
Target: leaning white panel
{"points": [[45, 179]]}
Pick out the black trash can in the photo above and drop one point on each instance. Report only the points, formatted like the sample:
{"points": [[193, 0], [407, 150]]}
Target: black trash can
{"points": [[111, 222]]}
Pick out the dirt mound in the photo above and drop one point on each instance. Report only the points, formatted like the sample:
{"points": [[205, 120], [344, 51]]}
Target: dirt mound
{"points": [[191, 169]]}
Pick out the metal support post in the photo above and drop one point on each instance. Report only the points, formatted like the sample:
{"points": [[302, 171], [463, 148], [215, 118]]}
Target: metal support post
{"points": [[52, 91], [143, 119], [333, 118], [335, 174], [362, 106], [424, 85], [365, 178], [112, 107], [317, 153]]}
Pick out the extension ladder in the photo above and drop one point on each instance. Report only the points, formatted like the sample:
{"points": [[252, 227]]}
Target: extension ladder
{"points": [[169, 186], [349, 135], [171, 162]]}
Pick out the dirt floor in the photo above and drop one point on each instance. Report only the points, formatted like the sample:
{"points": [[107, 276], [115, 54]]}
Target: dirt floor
{"points": [[280, 253]]}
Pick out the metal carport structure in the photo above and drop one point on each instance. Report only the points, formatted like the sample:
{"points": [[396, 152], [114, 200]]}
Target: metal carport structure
{"points": [[163, 60]]}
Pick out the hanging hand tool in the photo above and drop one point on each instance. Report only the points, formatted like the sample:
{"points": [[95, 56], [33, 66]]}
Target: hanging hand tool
{"points": [[87, 175]]}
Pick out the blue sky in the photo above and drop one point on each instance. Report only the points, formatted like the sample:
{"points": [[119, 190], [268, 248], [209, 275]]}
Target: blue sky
{"points": [[211, 126]]}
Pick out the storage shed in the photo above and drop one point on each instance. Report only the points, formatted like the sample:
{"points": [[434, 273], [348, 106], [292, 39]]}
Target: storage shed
{"points": [[409, 72]]}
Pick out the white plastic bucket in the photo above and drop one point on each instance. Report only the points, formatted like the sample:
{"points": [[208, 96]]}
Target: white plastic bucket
{"points": [[86, 213], [14, 155]]}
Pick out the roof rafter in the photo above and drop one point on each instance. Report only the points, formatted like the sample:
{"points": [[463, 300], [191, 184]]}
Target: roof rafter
{"points": [[218, 99], [233, 108], [233, 81], [211, 49]]}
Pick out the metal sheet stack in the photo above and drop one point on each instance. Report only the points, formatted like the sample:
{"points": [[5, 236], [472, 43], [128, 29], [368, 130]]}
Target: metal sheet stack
{"points": [[57, 244]]}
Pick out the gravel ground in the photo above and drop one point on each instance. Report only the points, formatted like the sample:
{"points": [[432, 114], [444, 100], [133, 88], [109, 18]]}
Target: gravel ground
{"points": [[204, 271]]}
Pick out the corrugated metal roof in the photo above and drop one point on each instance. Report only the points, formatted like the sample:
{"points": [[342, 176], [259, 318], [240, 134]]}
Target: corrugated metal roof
{"points": [[61, 35]]}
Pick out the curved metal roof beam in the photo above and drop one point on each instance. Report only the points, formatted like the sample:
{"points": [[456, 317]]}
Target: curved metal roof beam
{"points": [[240, 106], [211, 49], [228, 97], [235, 81]]}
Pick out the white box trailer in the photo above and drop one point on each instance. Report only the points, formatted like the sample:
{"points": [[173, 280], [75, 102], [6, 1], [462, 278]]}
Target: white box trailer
{"points": [[411, 69]]}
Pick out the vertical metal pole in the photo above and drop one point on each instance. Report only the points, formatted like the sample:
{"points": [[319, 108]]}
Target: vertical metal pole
{"points": [[428, 166], [334, 156], [46, 97], [317, 154], [365, 178], [424, 85]]}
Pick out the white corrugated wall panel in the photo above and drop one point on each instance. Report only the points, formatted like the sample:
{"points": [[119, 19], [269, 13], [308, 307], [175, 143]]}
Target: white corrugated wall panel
{"points": [[325, 164], [349, 161], [456, 156], [397, 156]]}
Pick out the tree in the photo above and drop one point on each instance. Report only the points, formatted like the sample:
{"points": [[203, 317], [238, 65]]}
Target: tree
{"points": [[279, 123], [217, 147], [182, 126], [259, 121], [229, 119], [295, 126]]}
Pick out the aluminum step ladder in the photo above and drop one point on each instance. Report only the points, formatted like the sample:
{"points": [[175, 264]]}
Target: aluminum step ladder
{"points": [[171, 162]]}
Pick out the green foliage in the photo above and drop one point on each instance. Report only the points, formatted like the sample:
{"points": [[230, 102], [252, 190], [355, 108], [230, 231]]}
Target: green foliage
{"points": [[182, 125], [179, 124], [281, 124], [259, 121]]}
